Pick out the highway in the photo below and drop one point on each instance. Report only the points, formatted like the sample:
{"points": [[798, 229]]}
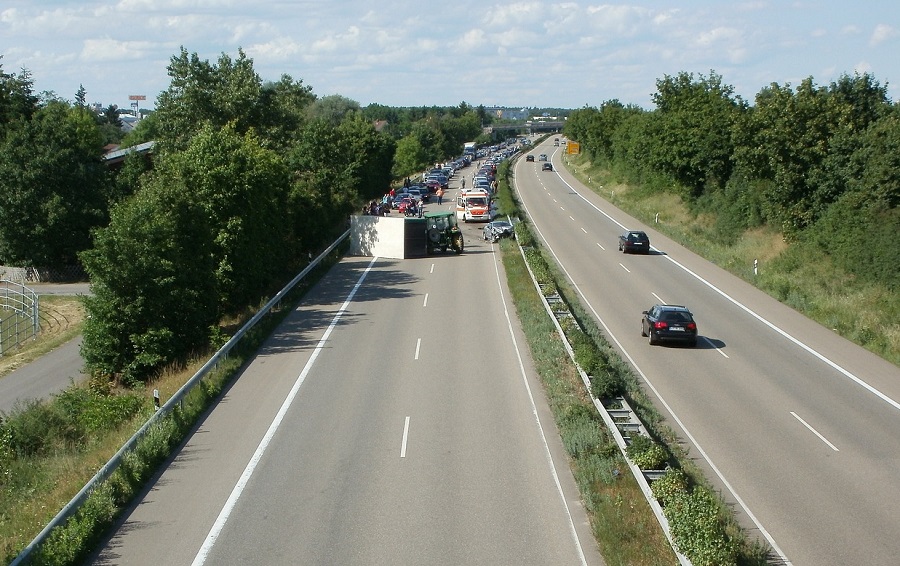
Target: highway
{"points": [[795, 425], [393, 418]]}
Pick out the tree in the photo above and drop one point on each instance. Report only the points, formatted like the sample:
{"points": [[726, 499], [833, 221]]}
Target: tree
{"points": [[17, 98], [200, 93], [410, 157], [333, 109], [111, 116], [285, 106], [153, 284], [370, 157], [81, 97], [693, 135], [53, 187], [787, 140], [241, 188]]}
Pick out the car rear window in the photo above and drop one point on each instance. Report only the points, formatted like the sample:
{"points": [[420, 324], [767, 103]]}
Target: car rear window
{"points": [[676, 317]]}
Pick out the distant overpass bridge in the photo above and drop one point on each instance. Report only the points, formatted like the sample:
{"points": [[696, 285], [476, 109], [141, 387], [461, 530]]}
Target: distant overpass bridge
{"points": [[528, 127]]}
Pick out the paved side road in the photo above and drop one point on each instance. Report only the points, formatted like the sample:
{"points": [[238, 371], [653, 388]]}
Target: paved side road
{"points": [[43, 377], [52, 372]]}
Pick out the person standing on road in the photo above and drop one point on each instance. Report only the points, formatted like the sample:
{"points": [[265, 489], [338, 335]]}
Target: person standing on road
{"points": [[464, 183], [440, 195]]}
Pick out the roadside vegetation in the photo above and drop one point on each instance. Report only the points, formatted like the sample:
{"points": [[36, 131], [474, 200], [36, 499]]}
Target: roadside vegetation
{"points": [[805, 182], [50, 449], [804, 185], [626, 530]]}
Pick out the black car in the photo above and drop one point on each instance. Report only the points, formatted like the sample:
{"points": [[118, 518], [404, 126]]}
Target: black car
{"points": [[497, 229], [547, 167], [634, 241], [669, 323], [529, 158]]}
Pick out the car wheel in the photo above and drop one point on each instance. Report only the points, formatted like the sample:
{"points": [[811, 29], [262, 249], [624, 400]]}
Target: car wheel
{"points": [[652, 339], [643, 332]]}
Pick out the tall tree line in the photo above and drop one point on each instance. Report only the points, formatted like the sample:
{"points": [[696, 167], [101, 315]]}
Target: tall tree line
{"points": [[819, 163], [246, 179]]}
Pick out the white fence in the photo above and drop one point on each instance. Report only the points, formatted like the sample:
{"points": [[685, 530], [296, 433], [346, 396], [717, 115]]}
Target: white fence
{"points": [[19, 314]]}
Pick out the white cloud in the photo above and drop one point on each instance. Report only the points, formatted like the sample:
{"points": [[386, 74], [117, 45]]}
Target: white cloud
{"points": [[113, 50], [882, 33]]}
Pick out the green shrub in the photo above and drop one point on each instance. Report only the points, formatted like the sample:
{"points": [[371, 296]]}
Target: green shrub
{"points": [[699, 528], [671, 485], [581, 435], [523, 235], [607, 384], [646, 454]]}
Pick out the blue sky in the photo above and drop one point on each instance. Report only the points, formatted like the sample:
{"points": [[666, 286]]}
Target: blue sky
{"points": [[421, 52]]}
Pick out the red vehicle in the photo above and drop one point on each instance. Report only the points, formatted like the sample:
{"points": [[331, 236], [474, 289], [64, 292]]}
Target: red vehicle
{"points": [[408, 206]]}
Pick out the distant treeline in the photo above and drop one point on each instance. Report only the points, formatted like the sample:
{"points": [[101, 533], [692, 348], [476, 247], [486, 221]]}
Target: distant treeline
{"points": [[819, 163]]}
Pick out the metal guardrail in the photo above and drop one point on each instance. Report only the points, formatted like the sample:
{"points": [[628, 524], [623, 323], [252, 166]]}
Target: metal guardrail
{"points": [[19, 314], [114, 462]]}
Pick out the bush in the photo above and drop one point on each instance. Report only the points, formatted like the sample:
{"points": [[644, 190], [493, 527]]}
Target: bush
{"points": [[646, 454], [607, 384], [699, 529], [523, 235], [670, 486]]}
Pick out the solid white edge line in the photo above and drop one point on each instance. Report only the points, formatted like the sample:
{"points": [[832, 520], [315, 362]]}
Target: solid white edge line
{"points": [[217, 527], [637, 368], [814, 431], [534, 412], [405, 437]]}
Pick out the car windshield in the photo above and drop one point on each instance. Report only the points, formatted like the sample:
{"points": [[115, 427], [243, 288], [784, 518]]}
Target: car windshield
{"points": [[476, 201]]}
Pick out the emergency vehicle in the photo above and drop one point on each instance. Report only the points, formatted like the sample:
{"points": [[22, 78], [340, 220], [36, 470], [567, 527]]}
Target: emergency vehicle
{"points": [[473, 205]]}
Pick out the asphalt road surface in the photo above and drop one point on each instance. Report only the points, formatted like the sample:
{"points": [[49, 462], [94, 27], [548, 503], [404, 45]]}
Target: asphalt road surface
{"points": [[797, 426], [393, 418], [52, 372]]}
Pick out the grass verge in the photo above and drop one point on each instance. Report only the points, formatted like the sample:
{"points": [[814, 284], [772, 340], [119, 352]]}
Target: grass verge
{"points": [[797, 274], [624, 526]]}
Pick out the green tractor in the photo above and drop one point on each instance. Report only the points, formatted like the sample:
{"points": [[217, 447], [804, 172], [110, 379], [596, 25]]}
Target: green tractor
{"points": [[442, 232]]}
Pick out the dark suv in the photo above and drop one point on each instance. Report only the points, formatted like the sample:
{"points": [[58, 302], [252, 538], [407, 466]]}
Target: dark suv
{"points": [[669, 323]]}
